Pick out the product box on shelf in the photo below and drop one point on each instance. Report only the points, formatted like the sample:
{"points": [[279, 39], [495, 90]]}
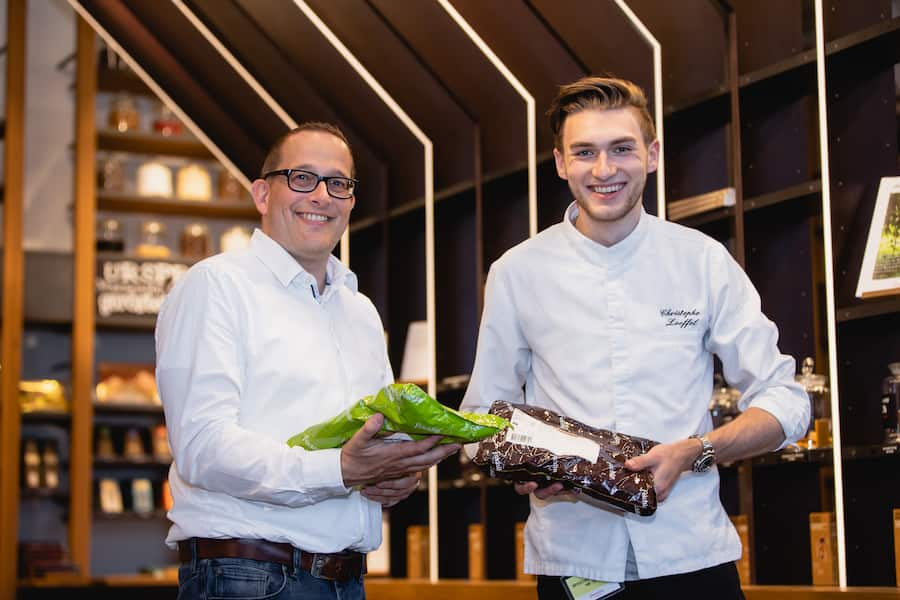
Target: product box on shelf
{"points": [[823, 548]]}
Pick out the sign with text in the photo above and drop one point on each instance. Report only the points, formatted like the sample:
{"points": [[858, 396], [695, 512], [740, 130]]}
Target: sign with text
{"points": [[133, 289]]}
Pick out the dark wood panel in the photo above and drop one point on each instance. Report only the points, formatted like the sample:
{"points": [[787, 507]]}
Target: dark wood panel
{"points": [[765, 39], [293, 91], [303, 46], [411, 82], [529, 48], [209, 69], [865, 347], [780, 264], [505, 215], [456, 283], [697, 150], [456, 61], [843, 17], [577, 23], [368, 260], [406, 280], [784, 495], [778, 131], [869, 498]]}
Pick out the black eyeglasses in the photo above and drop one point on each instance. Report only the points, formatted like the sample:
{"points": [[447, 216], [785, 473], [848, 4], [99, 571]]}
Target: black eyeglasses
{"points": [[306, 181]]}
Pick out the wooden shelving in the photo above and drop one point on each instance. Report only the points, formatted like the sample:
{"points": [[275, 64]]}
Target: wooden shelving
{"points": [[867, 309], [153, 144], [214, 209]]}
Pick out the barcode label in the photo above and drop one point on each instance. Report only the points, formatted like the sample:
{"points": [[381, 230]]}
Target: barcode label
{"points": [[528, 431], [519, 438]]}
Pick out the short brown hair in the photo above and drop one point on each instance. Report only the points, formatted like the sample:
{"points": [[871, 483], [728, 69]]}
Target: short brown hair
{"points": [[273, 157], [602, 93]]}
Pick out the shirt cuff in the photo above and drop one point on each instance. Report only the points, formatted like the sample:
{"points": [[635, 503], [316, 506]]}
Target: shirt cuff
{"points": [[789, 413], [321, 473]]}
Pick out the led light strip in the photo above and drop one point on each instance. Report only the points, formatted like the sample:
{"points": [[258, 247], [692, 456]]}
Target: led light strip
{"points": [[164, 97], [529, 109], [657, 104], [429, 250], [829, 297], [251, 81]]}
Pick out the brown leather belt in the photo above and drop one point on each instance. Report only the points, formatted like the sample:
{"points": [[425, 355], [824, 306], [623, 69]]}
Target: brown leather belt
{"points": [[337, 566]]}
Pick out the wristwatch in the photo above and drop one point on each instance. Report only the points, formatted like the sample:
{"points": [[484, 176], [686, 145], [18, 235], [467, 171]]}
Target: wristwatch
{"points": [[707, 456]]}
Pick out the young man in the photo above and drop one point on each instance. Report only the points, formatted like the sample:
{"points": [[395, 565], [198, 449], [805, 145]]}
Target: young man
{"points": [[254, 346], [612, 317]]}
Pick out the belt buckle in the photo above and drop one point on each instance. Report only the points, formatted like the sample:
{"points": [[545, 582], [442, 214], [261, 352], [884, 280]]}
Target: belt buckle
{"points": [[318, 564]]}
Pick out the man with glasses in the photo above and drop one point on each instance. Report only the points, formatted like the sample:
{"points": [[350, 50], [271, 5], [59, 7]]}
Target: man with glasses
{"points": [[254, 345]]}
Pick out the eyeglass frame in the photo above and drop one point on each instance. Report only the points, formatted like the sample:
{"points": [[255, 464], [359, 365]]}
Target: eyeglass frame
{"points": [[319, 179]]}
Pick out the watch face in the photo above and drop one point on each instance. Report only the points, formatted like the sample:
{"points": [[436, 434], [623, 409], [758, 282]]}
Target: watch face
{"points": [[704, 463]]}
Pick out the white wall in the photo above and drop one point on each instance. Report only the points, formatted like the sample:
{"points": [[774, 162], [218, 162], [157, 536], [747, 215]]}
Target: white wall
{"points": [[49, 125]]}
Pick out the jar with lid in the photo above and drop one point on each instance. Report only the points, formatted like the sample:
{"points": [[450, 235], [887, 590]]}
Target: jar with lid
{"points": [[234, 238], [123, 114], [153, 244], [723, 406], [111, 174], [109, 236], [165, 123], [816, 386], [195, 241], [229, 188], [890, 404]]}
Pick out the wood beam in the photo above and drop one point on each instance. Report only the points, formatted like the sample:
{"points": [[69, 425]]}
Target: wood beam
{"points": [[13, 294]]}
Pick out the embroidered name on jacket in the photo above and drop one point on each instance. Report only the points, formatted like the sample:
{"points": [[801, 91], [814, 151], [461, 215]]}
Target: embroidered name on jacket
{"points": [[680, 317]]}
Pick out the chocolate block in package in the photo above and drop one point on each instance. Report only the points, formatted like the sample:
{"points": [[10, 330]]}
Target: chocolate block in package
{"points": [[545, 447]]}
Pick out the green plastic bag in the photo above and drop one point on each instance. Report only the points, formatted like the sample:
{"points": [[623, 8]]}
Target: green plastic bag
{"points": [[406, 409]]}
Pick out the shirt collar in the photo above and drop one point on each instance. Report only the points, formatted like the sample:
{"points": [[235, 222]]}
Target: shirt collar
{"points": [[598, 253], [286, 268]]}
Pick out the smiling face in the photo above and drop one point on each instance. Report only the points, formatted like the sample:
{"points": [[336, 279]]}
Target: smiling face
{"points": [[306, 224], [605, 160]]}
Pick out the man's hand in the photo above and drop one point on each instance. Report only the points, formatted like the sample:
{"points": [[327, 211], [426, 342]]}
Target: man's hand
{"points": [[365, 459], [391, 491], [554, 489], [666, 462]]}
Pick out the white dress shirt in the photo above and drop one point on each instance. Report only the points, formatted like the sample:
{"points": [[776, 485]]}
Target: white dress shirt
{"points": [[249, 354], [622, 338]]}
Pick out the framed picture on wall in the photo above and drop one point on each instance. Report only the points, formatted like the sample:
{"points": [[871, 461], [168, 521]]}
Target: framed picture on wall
{"points": [[880, 273]]}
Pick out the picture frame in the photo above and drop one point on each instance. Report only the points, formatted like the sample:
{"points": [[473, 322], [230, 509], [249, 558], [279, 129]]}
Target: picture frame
{"points": [[880, 272]]}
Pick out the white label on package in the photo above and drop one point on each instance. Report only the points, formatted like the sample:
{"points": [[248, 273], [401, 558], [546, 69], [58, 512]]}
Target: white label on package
{"points": [[528, 431]]}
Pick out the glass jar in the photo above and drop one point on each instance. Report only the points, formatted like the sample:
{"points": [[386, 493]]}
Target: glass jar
{"points": [[153, 241], [195, 241], [165, 123], [890, 404], [723, 406], [123, 114], [154, 179], [234, 238], [111, 175], [229, 188], [109, 236], [193, 183], [816, 386]]}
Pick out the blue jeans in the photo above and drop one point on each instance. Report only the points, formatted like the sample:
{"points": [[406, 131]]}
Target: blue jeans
{"points": [[246, 579]]}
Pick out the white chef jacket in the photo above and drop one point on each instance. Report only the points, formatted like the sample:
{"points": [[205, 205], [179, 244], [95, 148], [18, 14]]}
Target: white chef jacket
{"points": [[249, 354], [622, 338]]}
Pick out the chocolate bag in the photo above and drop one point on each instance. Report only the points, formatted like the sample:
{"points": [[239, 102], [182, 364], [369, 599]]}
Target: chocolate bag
{"points": [[545, 447]]}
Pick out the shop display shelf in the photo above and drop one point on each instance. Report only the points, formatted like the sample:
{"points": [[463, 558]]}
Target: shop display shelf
{"points": [[214, 209], [153, 144]]}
